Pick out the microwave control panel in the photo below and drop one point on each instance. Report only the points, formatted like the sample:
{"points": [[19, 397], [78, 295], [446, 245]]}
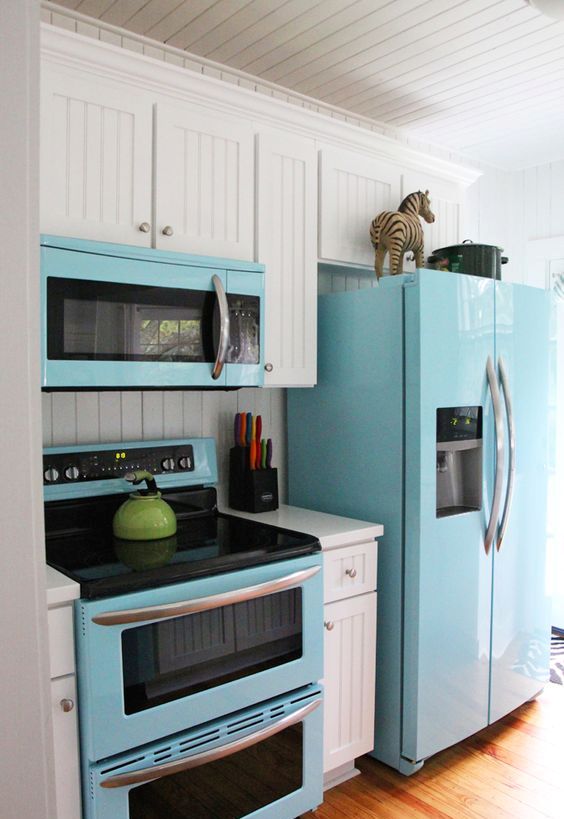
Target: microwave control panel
{"points": [[61, 468]]}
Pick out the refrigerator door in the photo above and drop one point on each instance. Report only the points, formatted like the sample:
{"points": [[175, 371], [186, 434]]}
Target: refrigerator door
{"points": [[449, 335], [520, 625]]}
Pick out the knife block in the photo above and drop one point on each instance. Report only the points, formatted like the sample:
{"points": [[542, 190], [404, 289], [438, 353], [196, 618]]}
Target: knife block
{"points": [[251, 490]]}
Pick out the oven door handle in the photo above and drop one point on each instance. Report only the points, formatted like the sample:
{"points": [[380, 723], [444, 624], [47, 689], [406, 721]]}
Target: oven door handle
{"points": [[214, 601], [169, 768], [223, 326]]}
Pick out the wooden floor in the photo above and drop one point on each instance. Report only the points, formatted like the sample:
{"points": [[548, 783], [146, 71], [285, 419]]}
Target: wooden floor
{"points": [[511, 770]]}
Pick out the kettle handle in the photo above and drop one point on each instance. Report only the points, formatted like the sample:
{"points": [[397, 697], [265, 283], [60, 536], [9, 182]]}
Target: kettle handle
{"points": [[139, 476], [467, 242]]}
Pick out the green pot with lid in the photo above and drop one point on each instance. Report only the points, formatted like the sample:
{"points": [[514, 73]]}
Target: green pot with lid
{"points": [[144, 515]]}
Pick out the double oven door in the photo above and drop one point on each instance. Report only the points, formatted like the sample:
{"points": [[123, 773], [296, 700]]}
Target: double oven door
{"points": [[264, 761], [160, 661]]}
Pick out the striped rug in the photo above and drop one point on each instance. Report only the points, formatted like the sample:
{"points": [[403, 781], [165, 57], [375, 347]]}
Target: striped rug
{"points": [[557, 657]]}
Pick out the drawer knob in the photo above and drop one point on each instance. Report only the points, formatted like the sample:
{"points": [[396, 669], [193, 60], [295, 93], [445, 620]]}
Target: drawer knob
{"points": [[268, 367], [351, 573], [67, 705], [167, 230], [144, 227], [329, 625]]}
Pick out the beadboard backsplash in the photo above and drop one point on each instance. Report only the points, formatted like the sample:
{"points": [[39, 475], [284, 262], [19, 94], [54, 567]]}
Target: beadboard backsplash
{"points": [[97, 417]]}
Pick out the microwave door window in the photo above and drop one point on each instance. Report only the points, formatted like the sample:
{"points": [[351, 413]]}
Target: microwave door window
{"points": [[101, 321]]}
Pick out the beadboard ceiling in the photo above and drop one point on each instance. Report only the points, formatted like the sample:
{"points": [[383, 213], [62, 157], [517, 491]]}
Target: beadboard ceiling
{"points": [[484, 78]]}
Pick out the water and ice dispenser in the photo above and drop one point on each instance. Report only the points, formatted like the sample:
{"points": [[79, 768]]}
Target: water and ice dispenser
{"points": [[459, 460]]}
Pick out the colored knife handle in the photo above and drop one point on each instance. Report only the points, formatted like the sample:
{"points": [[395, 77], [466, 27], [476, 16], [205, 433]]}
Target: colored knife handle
{"points": [[252, 455], [269, 453], [237, 429], [254, 429], [263, 454], [258, 429], [249, 427], [243, 428]]}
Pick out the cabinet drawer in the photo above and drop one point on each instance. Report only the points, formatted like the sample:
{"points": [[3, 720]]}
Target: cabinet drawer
{"points": [[350, 570], [61, 640]]}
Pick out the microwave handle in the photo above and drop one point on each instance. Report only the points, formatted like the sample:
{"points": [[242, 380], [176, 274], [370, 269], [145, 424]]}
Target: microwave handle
{"points": [[194, 761], [213, 601], [223, 326]]}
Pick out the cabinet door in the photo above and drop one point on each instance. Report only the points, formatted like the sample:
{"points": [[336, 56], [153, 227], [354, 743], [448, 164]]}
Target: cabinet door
{"points": [[65, 737], [446, 204], [96, 155], [353, 190], [286, 232], [350, 669], [203, 183]]}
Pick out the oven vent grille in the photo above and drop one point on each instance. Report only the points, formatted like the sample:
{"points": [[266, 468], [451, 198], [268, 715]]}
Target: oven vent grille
{"points": [[217, 733]]}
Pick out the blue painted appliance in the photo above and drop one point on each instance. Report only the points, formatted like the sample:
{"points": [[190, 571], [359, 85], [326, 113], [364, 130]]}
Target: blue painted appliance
{"points": [[430, 416], [121, 317], [198, 655]]}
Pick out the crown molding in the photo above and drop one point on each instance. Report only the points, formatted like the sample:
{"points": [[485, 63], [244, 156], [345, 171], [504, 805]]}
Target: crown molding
{"points": [[75, 52]]}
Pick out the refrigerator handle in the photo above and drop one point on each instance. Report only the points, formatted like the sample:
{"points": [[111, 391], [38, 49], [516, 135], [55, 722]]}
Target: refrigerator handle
{"points": [[500, 452], [511, 435]]}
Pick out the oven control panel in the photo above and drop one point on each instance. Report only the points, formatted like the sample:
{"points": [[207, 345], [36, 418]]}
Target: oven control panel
{"points": [[95, 465]]}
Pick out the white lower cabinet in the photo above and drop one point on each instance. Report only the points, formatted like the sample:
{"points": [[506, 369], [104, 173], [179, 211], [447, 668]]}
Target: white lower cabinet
{"points": [[350, 663], [64, 712]]}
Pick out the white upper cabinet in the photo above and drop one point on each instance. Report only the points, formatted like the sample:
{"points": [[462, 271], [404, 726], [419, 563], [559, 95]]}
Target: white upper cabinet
{"points": [[354, 188], [446, 204], [204, 182], [96, 159], [286, 245]]}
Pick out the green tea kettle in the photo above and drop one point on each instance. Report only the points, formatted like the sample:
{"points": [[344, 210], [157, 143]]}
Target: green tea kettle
{"points": [[144, 515]]}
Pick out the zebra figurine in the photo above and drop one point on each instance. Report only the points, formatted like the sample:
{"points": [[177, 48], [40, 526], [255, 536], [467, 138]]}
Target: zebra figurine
{"points": [[399, 231]]}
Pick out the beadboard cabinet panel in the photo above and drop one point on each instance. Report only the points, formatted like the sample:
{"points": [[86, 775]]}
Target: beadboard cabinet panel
{"points": [[353, 189], [96, 158], [286, 245], [204, 180], [350, 660]]}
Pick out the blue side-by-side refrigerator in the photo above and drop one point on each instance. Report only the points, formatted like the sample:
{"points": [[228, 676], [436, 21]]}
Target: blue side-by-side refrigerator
{"points": [[431, 416]]}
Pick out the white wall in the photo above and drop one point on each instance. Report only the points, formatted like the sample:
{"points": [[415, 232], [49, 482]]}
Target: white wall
{"points": [[26, 772], [89, 417]]}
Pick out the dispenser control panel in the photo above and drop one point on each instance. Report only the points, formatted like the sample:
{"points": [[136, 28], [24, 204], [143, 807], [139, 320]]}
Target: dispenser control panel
{"points": [[459, 424]]}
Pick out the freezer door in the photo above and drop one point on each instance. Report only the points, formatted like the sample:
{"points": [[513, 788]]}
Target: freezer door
{"points": [[520, 624], [449, 335]]}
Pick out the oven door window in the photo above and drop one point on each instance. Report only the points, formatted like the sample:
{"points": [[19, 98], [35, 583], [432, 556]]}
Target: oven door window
{"points": [[169, 660], [230, 788], [104, 321]]}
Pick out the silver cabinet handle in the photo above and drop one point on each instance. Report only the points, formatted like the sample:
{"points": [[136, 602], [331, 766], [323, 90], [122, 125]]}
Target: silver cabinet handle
{"points": [[223, 326], [214, 601], [169, 768], [66, 705], [268, 367], [504, 380], [500, 454], [329, 625], [144, 227], [167, 231], [351, 573]]}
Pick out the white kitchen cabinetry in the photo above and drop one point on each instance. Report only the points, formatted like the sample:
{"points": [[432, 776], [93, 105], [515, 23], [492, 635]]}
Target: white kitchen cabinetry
{"points": [[353, 189], [98, 180], [96, 158], [286, 245], [350, 657], [64, 711], [204, 180]]}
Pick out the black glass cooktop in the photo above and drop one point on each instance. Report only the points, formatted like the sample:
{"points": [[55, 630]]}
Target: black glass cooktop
{"points": [[80, 544]]}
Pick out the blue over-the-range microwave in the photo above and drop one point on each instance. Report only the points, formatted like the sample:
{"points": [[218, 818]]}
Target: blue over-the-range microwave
{"points": [[122, 317]]}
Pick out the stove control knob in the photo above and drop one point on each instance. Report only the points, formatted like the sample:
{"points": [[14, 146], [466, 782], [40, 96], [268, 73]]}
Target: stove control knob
{"points": [[72, 473], [51, 474], [167, 464], [184, 462]]}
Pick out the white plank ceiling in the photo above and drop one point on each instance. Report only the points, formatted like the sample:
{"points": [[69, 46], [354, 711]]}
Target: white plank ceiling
{"points": [[484, 78]]}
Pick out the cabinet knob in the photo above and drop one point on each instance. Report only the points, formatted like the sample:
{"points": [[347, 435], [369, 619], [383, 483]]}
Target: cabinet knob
{"points": [[351, 573], [67, 705], [329, 625], [144, 227], [167, 230], [268, 367]]}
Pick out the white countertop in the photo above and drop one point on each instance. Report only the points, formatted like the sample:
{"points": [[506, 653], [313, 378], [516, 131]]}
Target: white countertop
{"points": [[332, 530], [60, 588]]}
